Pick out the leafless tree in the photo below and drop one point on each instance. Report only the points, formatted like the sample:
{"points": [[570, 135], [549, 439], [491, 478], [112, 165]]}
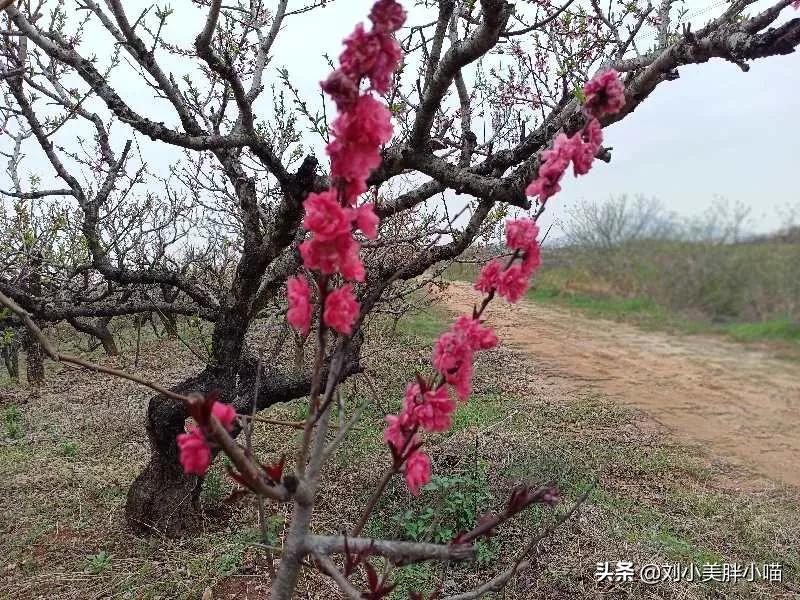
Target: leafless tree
{"points": [[616, 221], [219, 236]]}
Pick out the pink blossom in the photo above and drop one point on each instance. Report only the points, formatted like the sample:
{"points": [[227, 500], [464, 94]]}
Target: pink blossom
{"points": [[341, 88], [532, 259], [351, 266], [357, 137], [300, 308], [582, 159], [452, 357], [543, 188], [367, 220], [418, 471], [513, 283], [387, 16], [352, 189], [454, 350], [432, 410], [325, 217], [399, 429], [341, 309], [194, 453], [386, 61], [605, 94], [450, 352], [551, 168], [521, 234], [462, 380], [477, 335], [586, 145], [225, 414], [374, 55], [360, 50], [489, 276], [331, 256], [593, 134]]}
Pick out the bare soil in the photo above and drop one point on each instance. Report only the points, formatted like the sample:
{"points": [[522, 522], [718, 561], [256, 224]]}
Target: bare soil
{"points": [[737, 403]]}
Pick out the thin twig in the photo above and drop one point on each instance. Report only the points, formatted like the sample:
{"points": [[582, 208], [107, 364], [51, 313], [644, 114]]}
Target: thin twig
{"points": [[292, 424], [329, 568]]}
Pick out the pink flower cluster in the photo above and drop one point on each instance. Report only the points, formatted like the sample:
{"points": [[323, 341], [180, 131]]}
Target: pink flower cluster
{"points": [[510, 278], [300, 307], [362, 126], [430, 408], [372, 55], [455, 349], [604, 94], [193, 447], [423, 408]]}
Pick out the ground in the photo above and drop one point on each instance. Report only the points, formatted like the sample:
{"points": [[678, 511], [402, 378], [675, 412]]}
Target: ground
{"points": [[543, 409], [739, 402]]}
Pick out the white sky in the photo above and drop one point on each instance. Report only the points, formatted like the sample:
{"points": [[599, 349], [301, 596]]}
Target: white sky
{"points": [[714, 131]]}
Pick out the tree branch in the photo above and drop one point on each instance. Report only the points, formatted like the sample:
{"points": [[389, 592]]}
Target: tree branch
{"points": [[496, 14], [400, 553]]}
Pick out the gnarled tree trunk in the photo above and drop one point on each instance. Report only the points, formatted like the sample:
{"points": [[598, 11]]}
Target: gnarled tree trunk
{"points": [[170, 325], [163, 499], [34, 361], [105, 336]]}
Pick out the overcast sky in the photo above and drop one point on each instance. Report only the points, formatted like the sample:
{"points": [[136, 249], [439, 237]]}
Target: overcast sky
{"points": [[714, 131]]}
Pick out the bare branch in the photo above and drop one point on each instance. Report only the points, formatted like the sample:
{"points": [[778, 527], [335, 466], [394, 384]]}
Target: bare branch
{"points": [[328, 567], [495, 16], [400, 553]]}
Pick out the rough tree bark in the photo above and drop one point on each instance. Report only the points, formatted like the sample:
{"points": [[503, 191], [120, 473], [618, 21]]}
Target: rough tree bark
{"points": [[108, 341], [100, 331], [164, 499], [10, 353], [170, 325], [34, 356], [34, 361]]}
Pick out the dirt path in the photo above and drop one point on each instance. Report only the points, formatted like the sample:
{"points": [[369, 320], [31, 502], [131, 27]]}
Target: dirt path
{"points": [[740, 404]]}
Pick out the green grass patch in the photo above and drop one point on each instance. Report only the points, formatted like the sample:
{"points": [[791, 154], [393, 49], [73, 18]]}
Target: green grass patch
{"points": [[12, 422], [480, 411], [646, 313], [641, 310], [68, 449], [426, 325], [785, 330], [677, 548]]}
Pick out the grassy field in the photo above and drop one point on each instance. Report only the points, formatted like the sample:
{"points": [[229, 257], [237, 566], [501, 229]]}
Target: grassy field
{"points": [[69, 451]]}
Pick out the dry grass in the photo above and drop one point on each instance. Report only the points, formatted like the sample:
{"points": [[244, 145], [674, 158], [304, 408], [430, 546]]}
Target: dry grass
{"points": [[80, 442]]}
